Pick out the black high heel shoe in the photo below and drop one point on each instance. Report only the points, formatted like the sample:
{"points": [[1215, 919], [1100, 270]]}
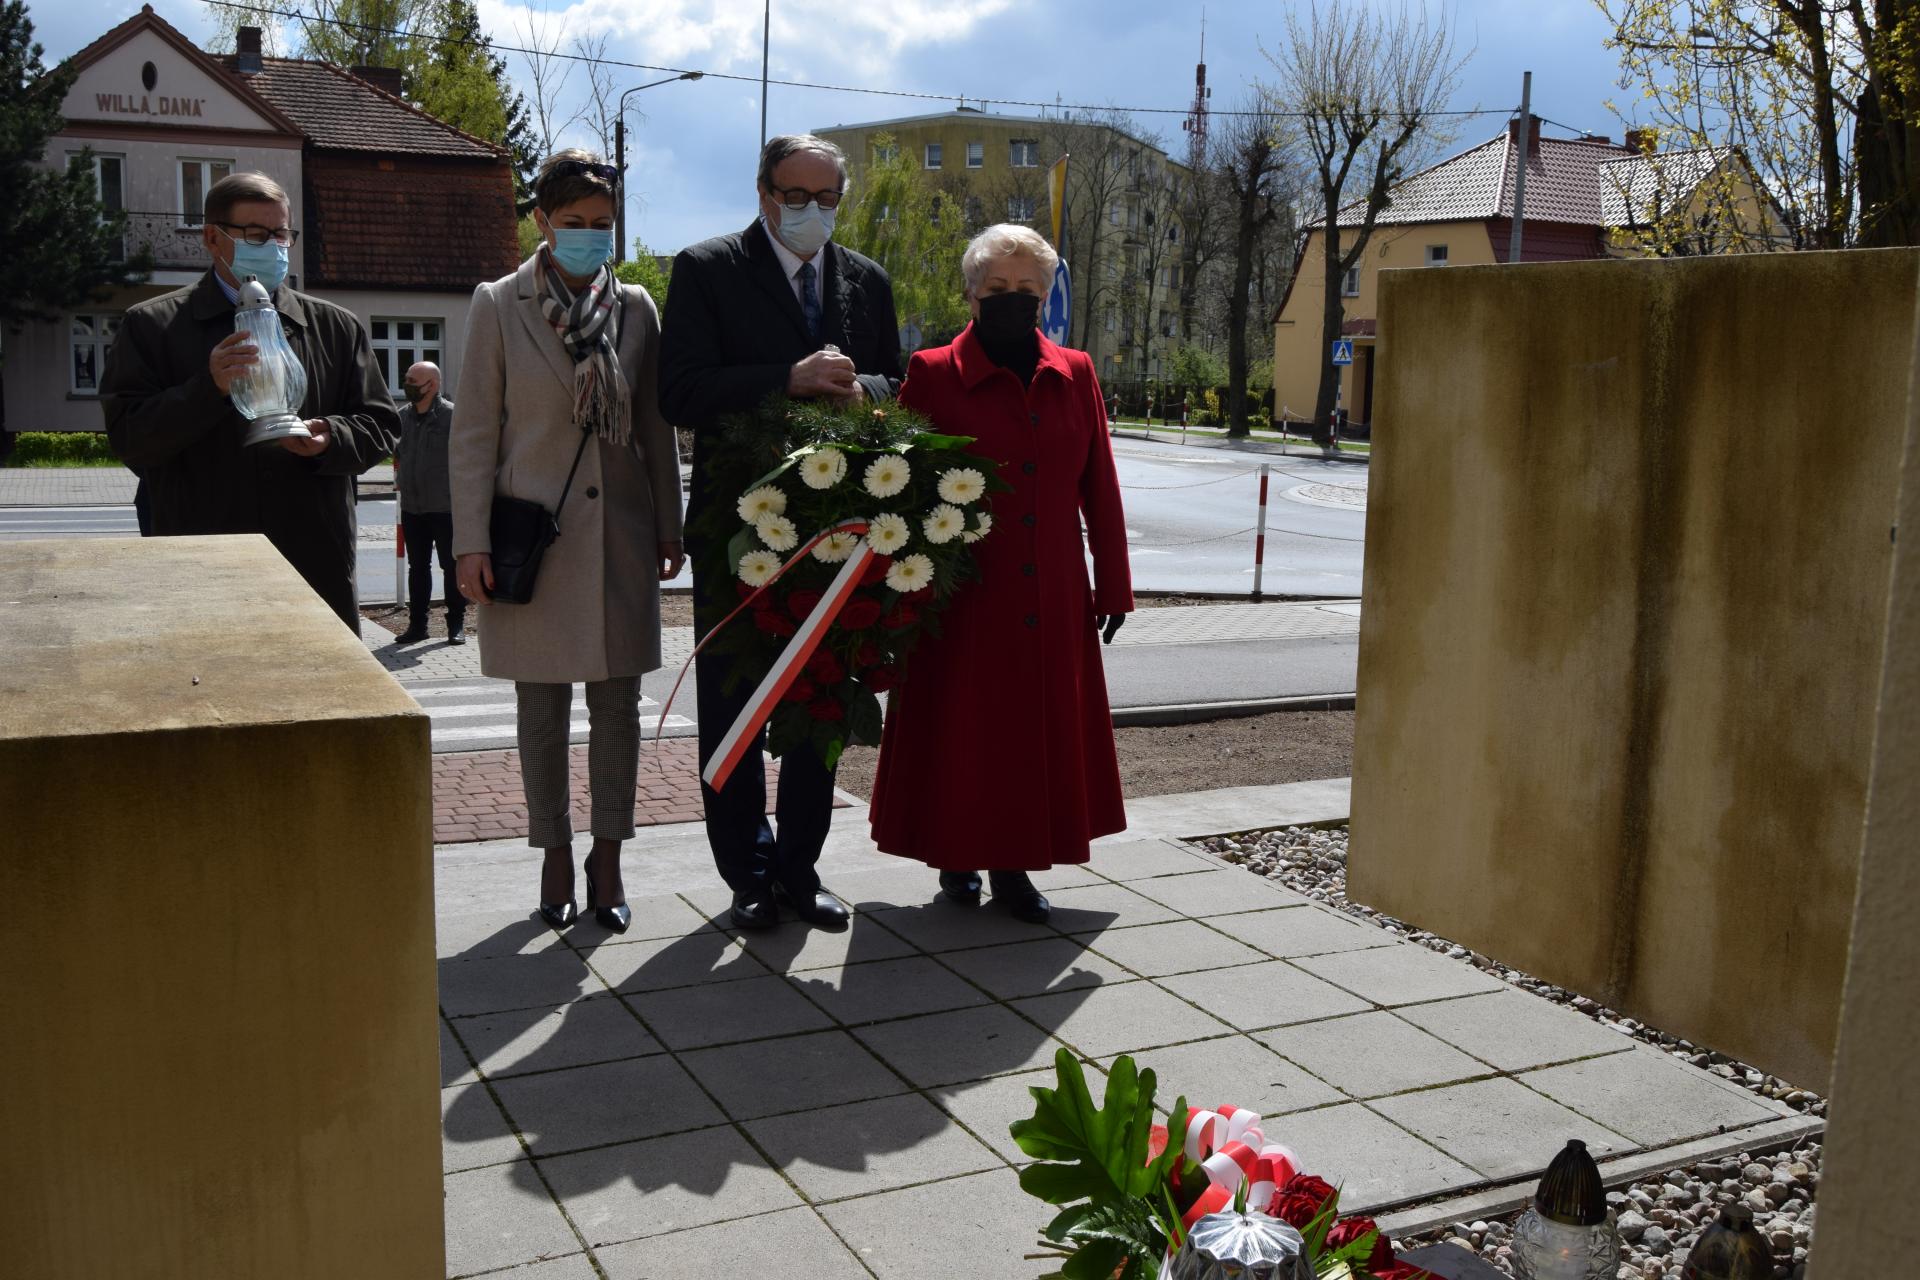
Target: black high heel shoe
{"points": [[614, 919], [558, 915]]}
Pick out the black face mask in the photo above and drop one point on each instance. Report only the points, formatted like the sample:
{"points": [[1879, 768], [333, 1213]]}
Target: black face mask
{"points": [[413, 392], [1007, 319]]}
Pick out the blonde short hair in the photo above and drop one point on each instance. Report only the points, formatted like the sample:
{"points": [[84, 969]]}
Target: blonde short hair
{"points": [[1007, 240]]}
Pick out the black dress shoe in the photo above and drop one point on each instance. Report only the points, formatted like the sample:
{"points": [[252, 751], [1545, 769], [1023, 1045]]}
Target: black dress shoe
{"points": [[412, 635], [962, 886], [614, 919], [558, 915], [1014, 891], [753, 911], [456, 634], [822, 909]]}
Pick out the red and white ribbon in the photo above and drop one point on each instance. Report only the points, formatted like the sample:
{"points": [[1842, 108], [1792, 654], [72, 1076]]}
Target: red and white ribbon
{"points": [[1229, 1145], [793, 658]]}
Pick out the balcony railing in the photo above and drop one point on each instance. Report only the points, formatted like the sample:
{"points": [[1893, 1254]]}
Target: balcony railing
{"points": [[174, 247]]}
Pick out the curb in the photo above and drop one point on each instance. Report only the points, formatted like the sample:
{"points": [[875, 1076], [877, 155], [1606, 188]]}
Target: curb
{"points": [[1200, 712]]}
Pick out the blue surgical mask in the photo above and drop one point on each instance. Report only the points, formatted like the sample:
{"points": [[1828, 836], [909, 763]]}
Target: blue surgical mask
{"points": [[580, 251], [266, 263], [805, 230]]}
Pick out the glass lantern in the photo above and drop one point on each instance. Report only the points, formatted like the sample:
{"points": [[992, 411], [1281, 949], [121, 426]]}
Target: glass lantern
{"points": [[269, 394], [1568, 1233]]}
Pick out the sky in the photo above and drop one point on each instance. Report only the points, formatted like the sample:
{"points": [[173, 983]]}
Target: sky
{"points": [[692, 145]]}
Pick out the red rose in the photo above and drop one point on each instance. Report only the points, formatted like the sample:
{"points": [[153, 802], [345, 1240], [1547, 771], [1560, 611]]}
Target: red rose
{"points": [[802, 603], [826, 668], [801, 690], [904, 615], [861, 612], [881, 679], [828, 709], [1347, 1230], [876, 570], [923, 594], [773, 623], [746, 592], [869, 655], [1299, 1202]]}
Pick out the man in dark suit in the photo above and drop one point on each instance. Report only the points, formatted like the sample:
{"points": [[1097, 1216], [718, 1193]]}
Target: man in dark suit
{"points": [[775, 308]]}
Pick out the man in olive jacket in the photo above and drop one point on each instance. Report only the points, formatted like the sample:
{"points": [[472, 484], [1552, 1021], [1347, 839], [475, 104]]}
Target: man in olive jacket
{"points": [[168, 412]]}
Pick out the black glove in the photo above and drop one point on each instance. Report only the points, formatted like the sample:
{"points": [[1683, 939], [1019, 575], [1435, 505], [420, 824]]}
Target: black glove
{"points": [[1109, 625]]}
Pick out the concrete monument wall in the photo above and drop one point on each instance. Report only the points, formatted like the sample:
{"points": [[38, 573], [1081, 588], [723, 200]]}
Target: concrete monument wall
{"points": [[1625, 597], [217, 1017]]}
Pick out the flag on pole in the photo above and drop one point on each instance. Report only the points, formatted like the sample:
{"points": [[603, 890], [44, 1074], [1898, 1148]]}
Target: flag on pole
{"points": [[1057, 313]]}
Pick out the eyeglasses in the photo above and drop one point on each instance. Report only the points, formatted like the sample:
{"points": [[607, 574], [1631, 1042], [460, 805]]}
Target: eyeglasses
{"points": [[255, 234], [800, 197], [586, 168]]}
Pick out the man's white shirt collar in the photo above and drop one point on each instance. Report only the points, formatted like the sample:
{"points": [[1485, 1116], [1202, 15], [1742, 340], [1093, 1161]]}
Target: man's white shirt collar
{"points": [[790, 261]]}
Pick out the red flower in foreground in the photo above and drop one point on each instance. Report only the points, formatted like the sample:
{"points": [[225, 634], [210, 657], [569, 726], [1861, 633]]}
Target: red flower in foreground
{"points": [[801, 690], [1299, 1202], [746, 592], [869, 655], [876, 570], [861, 612], [921, 596], [778, 624], [903, 616], [1347, 1230], [881, 679], [826, 668], [802, 603], [828, 709]]}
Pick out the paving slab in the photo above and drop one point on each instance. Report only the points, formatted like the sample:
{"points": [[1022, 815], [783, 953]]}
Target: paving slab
{"points": [[1369, 1158], [1178, 946], [559, 1111], [974, 1228], [577, 1266], [1514, 1030], [722, 1013], [1225, 891], [836, 1152], [1652, 1097], [514, 982], [1098, 908], [1370, 1055], [1125, 1017], [1397, 975], [600, 1029], [796, 1073], [1234, 809], [1237, 1071], [966, 1044], [663, 964], [473, 1133], [1254, 997], [790, 1242], [801, 949], [666, 1185], [475, 935], [1035, 968], [1132, 859], [501, 1216], [1303, 931], [454, 1067], [886, 989], [948, 926], [989, 1107], [1498, 1128]]}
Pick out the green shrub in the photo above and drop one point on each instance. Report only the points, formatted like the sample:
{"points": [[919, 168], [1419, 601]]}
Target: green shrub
{"points": [[61, 449]]}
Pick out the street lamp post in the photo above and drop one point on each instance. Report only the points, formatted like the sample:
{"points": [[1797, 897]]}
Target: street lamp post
{"points": [[620, 159]]}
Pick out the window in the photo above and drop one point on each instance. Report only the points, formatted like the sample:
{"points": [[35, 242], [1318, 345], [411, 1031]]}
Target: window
{"points": [[1436, 255], [1350, 283], [196, 177], [1113, 215], [109, 179], [1169, 326], [933, 155], [400, 344], [1173, 233], [1024, 153], [976, 154], [1020, 208], [976, 211], [90, 337], [1113, 321], [885, 154]]}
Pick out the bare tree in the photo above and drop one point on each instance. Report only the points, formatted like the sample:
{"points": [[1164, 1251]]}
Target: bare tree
{"points": [[548, 73], [1103, 151], [1365, 86], [1251, 165], [600, 109]]}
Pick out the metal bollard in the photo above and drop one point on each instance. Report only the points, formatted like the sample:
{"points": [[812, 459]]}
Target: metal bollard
{"points": [[1260, 534]]}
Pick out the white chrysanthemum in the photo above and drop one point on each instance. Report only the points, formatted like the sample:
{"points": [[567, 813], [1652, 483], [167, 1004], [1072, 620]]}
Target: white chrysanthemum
{"points": [[823, 469], [835, 547], [982, 527], [764, 501], [777, 532], [888, 533], [757, 566], [944, 524], [910, 573], [963, 486], [886, 475]]}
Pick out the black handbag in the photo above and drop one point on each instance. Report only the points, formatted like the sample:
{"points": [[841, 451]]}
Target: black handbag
{"points": [[521, 531]]}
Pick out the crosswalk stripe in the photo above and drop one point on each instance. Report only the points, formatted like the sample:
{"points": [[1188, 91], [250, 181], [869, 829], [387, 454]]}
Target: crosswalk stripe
{"points": [[471, 732]]}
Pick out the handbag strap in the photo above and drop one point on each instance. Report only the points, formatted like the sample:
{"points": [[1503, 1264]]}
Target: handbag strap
{"points": [[586, 434]]}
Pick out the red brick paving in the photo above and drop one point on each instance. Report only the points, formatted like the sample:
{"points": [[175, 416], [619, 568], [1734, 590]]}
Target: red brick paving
{"points": [[477, 795]]}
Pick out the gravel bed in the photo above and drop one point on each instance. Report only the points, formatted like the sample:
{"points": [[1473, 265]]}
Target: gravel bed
{"points": [[1661, 1218], [1313, 861]]}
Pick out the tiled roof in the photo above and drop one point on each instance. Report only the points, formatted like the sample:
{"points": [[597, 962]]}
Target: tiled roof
{"points": [[339, 112], [1634, 188], [1563, 185], [414, 223]]}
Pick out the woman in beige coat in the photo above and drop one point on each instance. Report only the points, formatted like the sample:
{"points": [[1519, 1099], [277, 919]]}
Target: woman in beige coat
{"points": [[557, 349]]}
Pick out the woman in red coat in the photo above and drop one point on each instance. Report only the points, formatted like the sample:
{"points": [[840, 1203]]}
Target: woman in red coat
{"points": [[998, 752]]}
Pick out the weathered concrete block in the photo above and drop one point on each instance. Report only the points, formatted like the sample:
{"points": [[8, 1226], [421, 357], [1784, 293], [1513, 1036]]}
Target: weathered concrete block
{"points": [[218, 1018], [1626, 590]]}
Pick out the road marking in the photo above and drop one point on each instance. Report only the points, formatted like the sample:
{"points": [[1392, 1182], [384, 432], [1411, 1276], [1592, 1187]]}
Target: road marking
{"points": [[470, 733]]}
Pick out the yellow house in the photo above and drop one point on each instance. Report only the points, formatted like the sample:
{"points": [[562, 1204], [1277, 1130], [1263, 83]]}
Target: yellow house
{"points": [[1586, 197]]}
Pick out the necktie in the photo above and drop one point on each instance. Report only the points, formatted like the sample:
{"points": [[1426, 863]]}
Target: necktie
{"points": [[810, 300]]}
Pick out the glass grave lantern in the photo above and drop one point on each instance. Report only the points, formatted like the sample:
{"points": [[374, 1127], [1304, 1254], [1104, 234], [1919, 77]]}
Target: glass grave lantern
{"points": [[268, 395]]}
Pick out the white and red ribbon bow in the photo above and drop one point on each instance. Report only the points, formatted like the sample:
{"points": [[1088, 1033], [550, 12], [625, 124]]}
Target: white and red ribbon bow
{"points": [[1229, 1145]]}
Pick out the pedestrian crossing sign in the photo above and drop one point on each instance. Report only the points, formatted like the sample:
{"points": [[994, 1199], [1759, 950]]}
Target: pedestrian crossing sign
{"points": [[1343, 350]]}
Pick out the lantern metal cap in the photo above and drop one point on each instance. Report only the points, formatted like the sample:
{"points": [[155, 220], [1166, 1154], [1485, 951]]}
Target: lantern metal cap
{"points": [[254, 294], [1571, 1192]]}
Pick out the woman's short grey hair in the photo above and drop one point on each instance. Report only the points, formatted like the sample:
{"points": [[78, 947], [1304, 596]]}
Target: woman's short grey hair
{"points": [[787, 144], [1007, 240]]}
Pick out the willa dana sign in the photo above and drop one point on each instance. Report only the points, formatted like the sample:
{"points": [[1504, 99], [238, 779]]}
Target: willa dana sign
{"points": [[146, 104]]}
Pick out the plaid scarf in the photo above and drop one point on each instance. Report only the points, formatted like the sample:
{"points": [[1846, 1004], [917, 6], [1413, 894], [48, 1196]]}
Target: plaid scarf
{"points": [[589, 328]]}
